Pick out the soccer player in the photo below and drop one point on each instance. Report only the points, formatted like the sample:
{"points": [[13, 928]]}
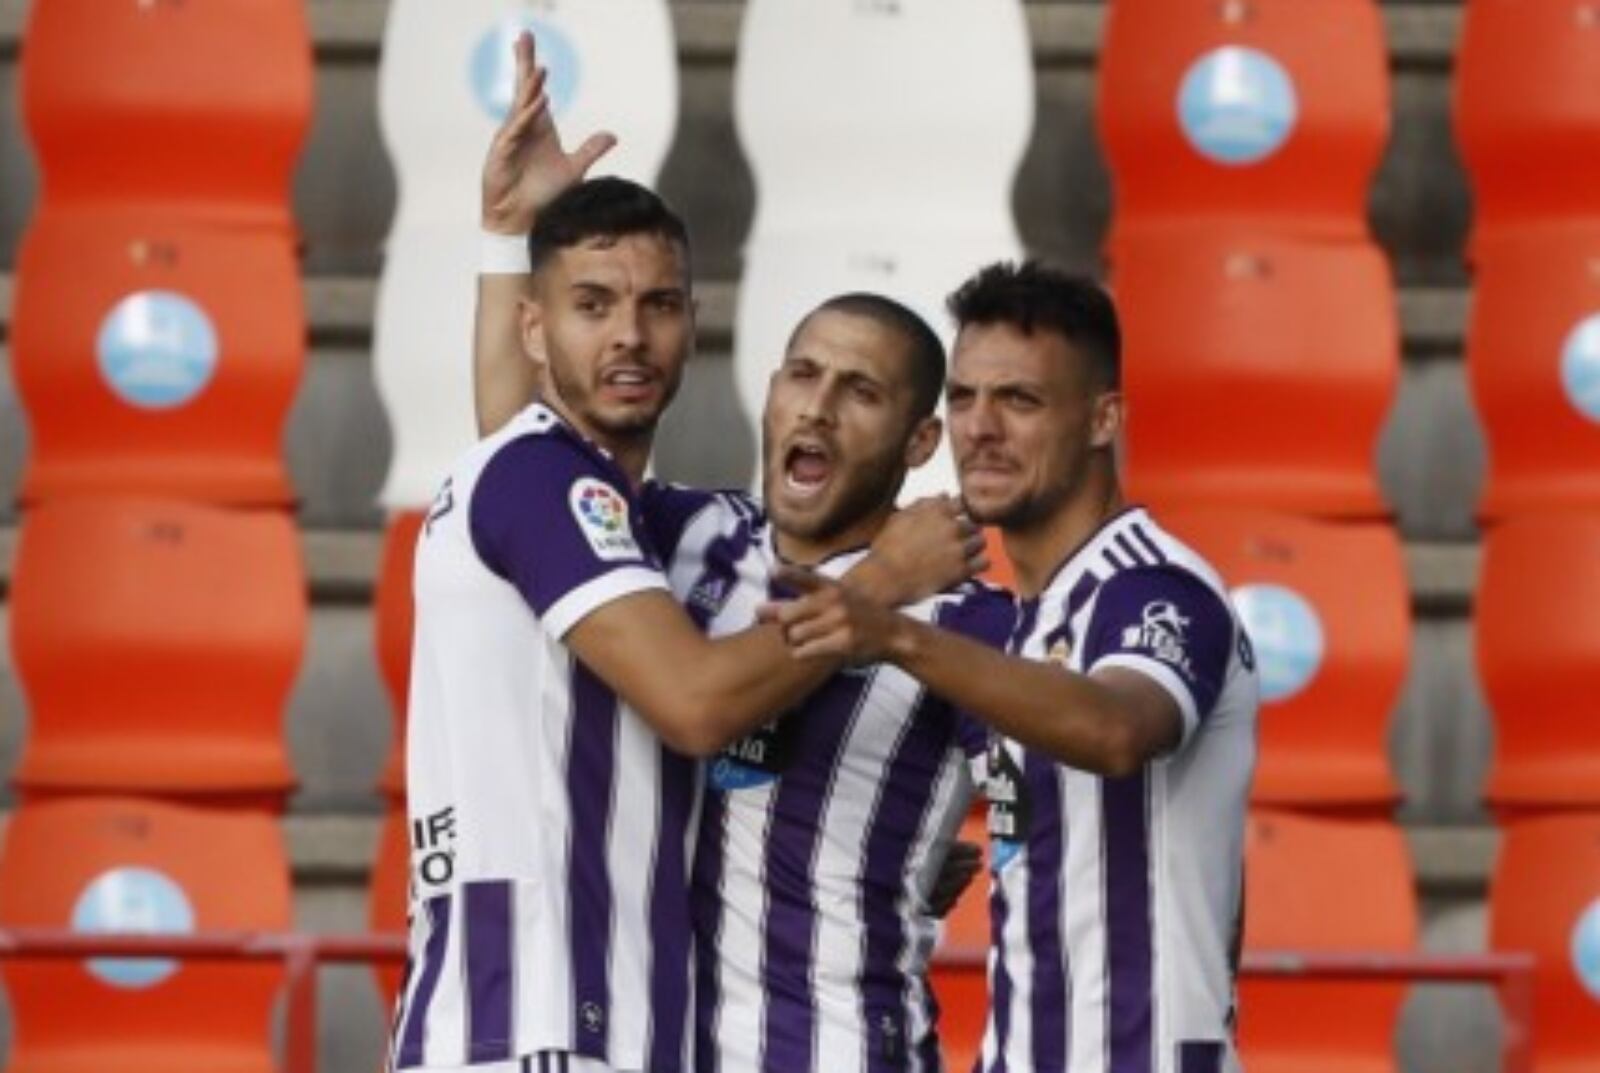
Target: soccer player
{"points": [[558, 689], [1125, 706], [823, 833]]}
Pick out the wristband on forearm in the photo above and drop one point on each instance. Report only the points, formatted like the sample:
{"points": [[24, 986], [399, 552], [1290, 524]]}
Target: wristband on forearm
{"points": [[503, 255]]}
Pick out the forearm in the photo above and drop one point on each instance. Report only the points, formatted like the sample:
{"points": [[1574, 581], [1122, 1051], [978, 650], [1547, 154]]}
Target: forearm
{"points": [[741, 683], [504, 380], [1068, 716]]}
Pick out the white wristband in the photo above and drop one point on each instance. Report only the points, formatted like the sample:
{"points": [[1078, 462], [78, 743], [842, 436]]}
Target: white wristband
{"points": [[503, 255]]}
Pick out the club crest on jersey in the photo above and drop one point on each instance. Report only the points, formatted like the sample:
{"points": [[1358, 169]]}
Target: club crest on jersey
{"points": [[1163, 633], [602, 516]]}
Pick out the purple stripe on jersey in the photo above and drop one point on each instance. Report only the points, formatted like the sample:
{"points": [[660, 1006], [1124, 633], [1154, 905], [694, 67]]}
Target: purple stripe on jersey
{"points": [[1117, 564], [1148, 543], [486, 930], [1049, 993], [1134, 555], [413, 1040], [1125, 850], [669, 917], [591, 772], [1199, 1056], [706, 906], [905, 796], [791, 851], [999, 981]]}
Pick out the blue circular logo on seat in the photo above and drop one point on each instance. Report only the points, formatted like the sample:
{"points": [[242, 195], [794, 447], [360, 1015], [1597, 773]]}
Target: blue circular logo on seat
{"points": [[157, 350], [137, 900], [1237, 105], [1586, 950], [1286, 634], [494, 66], [1580, 367]]}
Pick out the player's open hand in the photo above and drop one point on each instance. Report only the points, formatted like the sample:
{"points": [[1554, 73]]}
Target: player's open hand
{"points": [[928, 547], [829, 620], [527, 168]]}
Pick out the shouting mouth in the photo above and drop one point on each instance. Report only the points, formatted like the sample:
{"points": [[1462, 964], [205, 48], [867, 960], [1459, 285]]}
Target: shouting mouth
{"points": [[807, 468]]}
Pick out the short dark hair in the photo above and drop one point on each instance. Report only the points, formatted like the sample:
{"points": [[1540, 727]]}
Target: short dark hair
{"points": [[926, 351], [1032, 296], [603, 208]]}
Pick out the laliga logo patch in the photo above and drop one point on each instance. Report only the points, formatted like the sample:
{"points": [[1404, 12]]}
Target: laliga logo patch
{"points": [[1162, 633], [139, 901], [602, 516]]}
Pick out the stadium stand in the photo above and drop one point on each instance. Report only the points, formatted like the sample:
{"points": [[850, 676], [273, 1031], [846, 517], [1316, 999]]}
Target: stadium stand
{"points": [[1527, 113], [124, 865], [392, 621], [193, 110], [1230, 338], [1533, 356], [1326, 609], [1268, 113], [1298, 895], [158, 642], [387, 893], [1538, 648], [1545, 897]]}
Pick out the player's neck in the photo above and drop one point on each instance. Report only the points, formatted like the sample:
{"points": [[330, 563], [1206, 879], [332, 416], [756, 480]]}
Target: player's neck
{"points": [[631, 454], [813, 551], [1038, 551]]}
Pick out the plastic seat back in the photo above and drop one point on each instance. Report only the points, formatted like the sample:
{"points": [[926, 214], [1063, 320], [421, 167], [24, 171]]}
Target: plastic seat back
{"points": [[1545, 898], [1269, 112], [156, 358], [387, 894], [925, 108], [1538, 653], [1324, 885], [198, 109], [1230, 339], [1533, 360], [447, 75], [1327, 610], [124, 865], [157, 644], [1527, 111], [394, 614]]}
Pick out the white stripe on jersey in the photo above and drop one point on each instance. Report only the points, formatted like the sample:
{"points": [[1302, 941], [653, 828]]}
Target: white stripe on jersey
{"points": [[1120, 899]]}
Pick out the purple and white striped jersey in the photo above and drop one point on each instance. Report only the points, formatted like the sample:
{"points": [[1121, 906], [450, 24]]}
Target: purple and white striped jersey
{"points": [[551, 830], [821, 834], [1116, 903]]}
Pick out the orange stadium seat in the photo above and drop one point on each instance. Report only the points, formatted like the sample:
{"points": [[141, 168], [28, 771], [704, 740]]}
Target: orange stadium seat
{"points": [[1533, 358], [157, 644], [393, 617], [197, 109], [1266, 112], [1299, 896], [963, 991], [1538, 654], [1328, 613], [156, 358], [1230, 340], [1545, 898], [386, 895], [134, 866], [1527, 111]]}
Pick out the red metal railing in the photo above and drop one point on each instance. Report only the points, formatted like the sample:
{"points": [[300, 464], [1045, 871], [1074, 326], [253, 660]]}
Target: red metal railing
{"points": [[1511, 974]]}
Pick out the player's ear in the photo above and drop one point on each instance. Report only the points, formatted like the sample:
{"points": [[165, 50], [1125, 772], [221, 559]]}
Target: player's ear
{"points": [[1106, 422], [924, 440], [530, 315]]}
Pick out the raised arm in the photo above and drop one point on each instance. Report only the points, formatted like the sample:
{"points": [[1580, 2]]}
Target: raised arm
{"points": [[526, 168], [1139, 700]]}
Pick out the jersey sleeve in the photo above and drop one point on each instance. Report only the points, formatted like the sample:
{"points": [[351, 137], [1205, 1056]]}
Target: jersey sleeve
{"points": [[1168, 625], [562, 528], [668, 509]]}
